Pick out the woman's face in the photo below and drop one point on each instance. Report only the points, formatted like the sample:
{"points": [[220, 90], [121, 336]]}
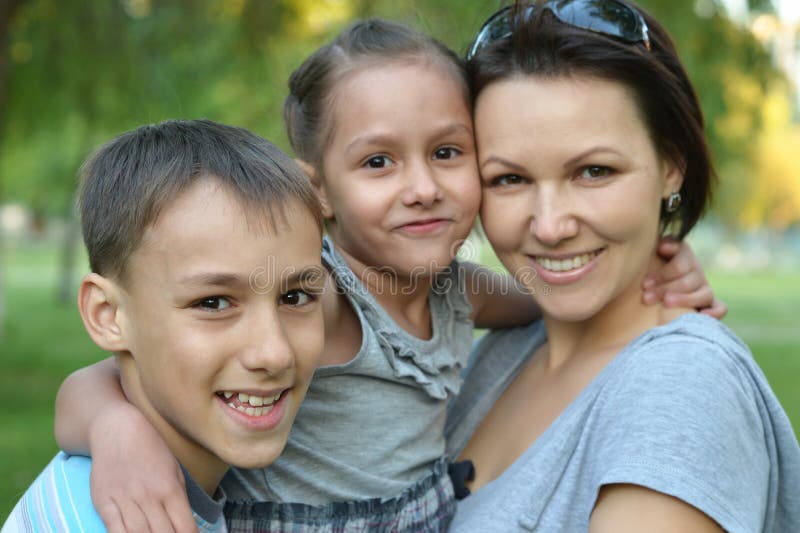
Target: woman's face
{"points": [[572, 189]]}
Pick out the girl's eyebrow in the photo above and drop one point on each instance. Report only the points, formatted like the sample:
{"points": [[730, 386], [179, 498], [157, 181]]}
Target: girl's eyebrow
{"points": [[382, 139], [369, 139]]}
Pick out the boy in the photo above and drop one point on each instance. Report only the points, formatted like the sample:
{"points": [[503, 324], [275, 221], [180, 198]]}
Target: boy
{"points": [[204, 243]]}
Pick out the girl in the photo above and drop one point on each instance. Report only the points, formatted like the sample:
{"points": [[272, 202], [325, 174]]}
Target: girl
{"points": [[381, 121]]}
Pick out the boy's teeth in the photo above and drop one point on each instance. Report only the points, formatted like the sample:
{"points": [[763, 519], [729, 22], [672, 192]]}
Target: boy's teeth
{"points": [[249, 404], [561, 265], [251, 411]]}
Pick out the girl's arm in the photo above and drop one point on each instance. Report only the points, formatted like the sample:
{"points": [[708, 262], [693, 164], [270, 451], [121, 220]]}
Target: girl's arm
{"points": [[632, 508], [136, 482], [499, 302]]}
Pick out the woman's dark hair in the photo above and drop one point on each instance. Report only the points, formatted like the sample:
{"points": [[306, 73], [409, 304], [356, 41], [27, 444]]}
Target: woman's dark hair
{"points": [[542, 45], [308, 108]]}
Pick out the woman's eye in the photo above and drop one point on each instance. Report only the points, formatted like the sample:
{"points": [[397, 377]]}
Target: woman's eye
{"points": [[508, 179], [296, 298], [446, 152], [595, 172], [214, 303], [378, 161]]}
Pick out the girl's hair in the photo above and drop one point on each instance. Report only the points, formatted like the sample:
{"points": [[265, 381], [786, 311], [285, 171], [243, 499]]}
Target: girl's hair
{"points": [[309, 106], [541, 45]]}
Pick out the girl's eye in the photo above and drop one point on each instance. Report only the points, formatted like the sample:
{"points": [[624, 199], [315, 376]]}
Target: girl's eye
{"points": [[506, 180], [595, 172], [446, 152], [214, 303], [378, 161], [297, 298]]}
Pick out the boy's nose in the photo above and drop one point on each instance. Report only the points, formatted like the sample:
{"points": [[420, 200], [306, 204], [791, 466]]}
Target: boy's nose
{"points": [[269, 348], [423, 189]]}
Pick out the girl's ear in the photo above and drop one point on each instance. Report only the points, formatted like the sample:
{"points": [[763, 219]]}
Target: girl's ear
{"points": [[99, 308], [319, 186]]}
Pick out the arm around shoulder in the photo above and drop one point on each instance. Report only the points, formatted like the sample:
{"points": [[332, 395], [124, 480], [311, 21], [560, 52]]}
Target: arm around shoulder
{"points": [[497, 300]]}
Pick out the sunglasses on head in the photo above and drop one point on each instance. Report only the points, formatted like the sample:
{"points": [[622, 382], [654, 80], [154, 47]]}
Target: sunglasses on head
{"points": [[608, 17]]}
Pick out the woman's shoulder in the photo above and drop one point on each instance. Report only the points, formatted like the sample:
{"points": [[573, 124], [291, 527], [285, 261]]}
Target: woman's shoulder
{"points": [[692, 343]]}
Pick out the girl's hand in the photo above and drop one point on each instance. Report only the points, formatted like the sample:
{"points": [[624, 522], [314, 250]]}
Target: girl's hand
{"points": [[681, 282], [137, 484]]}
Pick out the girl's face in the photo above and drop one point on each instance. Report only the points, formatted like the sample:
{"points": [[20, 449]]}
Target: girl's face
{"points": [[572, 189], [400, 185]]}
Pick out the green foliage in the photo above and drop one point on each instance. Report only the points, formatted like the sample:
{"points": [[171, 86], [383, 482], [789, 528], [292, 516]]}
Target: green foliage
{"points": [[82, 71]]}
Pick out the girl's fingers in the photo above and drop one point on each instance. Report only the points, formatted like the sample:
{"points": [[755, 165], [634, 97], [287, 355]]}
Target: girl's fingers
{"points": [[717, 310]]}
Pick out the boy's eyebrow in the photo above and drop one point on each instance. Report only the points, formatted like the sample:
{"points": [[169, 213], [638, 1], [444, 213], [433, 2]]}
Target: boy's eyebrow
{"points": [[213, 278], [309, 274]]}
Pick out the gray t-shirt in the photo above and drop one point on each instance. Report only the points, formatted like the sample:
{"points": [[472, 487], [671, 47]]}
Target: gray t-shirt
{"points": [[683, 410], [374, 426]]}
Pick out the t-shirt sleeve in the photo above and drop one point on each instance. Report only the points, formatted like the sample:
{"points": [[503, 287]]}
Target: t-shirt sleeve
{"points": [[685, 418]]}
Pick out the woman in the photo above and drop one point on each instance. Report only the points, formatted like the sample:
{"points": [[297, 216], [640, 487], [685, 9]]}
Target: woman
{"points": [[610, 415]]}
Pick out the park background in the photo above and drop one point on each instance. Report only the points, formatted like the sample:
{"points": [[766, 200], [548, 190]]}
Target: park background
{"points": [[73, 73]]}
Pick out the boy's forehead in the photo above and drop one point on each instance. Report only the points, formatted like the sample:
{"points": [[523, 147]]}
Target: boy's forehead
{"points": [[209, 221]]}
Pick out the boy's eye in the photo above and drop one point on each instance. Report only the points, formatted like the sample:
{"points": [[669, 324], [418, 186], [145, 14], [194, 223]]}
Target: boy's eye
{"points": [[446, 152], [214, 303], [296, 298], [594, 172], [378, 161], [506, 180]]}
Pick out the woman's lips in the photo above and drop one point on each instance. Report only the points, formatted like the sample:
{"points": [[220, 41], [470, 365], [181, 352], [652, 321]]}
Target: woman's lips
{"points": [[565, 268]]}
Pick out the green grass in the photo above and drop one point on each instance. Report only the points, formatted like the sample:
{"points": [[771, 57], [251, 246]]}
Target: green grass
{"points": [[45, 341]]}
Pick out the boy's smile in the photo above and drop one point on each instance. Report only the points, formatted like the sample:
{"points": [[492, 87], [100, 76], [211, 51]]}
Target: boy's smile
{"points": [[220, 364]]}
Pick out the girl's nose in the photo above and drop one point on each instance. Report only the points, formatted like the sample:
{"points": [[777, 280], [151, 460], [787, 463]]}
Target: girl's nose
{"points": [[423, 188]]}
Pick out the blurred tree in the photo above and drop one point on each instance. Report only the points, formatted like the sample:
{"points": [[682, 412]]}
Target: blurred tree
{"points": [[8, 10], [80, 71]]}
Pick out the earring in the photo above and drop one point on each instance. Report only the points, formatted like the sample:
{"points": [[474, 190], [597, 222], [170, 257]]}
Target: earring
{"points": [[673, 202]]}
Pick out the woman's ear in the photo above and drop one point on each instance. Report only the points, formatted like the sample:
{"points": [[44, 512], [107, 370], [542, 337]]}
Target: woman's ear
{"points": [[674, 172], [319, 186], [99, 308]]}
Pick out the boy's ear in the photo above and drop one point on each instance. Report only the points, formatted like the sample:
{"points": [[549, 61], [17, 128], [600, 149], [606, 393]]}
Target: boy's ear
{"points": [[98, 304], [319, 186]]}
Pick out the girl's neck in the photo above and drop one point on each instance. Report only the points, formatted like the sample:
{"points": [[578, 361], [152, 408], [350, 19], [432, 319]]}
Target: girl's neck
{"points": [[404, 298]]}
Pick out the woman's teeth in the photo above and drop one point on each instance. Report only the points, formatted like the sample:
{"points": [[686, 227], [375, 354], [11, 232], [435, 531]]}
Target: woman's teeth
{"points": [[249, 404], [561, 265]]}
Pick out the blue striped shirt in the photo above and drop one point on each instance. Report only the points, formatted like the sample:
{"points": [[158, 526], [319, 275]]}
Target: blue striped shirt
{"points": [[59, 500]]}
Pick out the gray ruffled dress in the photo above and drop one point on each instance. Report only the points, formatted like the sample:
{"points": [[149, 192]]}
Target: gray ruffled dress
{"points": [[366, 452]]}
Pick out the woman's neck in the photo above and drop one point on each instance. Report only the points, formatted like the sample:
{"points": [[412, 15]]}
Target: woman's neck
{"points": [[608, 331]]}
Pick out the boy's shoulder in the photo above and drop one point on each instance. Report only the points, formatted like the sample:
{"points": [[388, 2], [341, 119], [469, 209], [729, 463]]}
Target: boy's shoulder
{"points": [[58, 500]]}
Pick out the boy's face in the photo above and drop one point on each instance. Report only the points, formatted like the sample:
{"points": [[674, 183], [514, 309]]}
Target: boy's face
{"points": [[222, 319]]}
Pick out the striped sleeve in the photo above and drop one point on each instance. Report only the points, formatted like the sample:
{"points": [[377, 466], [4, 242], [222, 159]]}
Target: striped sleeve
{"points": [[59, 500]]}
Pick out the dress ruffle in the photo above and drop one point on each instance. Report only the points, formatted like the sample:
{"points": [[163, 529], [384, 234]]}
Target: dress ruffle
{"points": [[434, 365]]}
